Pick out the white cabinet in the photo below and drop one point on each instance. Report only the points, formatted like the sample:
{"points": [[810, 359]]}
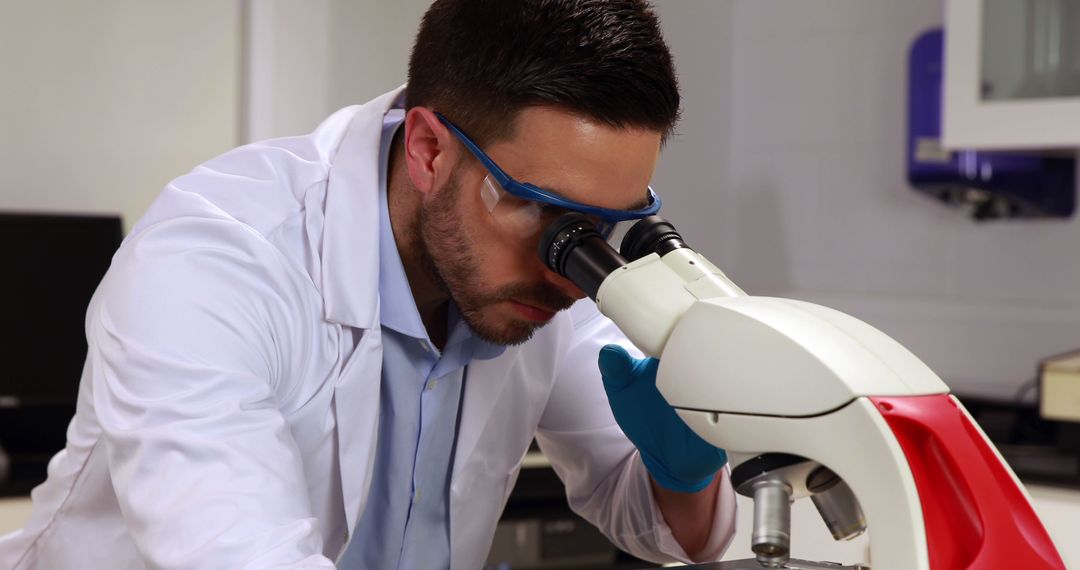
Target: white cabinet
{"points": [[1012, 74]]}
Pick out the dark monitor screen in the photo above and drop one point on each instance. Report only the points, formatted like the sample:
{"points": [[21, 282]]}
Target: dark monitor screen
{"points": [[50, 266]]}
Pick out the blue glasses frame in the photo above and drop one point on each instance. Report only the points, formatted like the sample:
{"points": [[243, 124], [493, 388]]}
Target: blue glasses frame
{"points": [[534, 193]]}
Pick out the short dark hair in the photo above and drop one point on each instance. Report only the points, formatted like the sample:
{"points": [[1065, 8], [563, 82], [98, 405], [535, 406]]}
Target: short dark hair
{"points": [[480, 62]]}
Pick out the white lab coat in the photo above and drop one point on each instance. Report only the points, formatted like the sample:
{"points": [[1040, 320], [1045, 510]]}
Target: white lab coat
{"points": [[227, 415]]}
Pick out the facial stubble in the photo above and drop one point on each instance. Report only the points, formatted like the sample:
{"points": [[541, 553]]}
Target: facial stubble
{"points": [[448, 255]]}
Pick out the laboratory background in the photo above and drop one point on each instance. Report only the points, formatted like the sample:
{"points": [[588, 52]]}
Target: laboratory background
{"points": [[911, 163]]}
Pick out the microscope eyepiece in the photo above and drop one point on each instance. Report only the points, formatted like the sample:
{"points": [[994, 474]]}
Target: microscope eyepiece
{"points": [[650, 235], [572, 247]]}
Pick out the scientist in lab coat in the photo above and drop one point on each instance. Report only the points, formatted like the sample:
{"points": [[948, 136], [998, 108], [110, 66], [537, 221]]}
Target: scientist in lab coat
{"points": [[336, 348]]}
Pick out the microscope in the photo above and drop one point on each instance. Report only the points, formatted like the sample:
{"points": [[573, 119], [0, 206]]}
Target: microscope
{"points": [[809, 402]]}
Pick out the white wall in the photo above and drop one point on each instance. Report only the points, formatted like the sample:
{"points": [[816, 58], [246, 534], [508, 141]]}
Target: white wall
{"points": [[308, 58], [371, 42], [102, 103], [694, 166], [787, 167], [286, 67], [821, 210]]}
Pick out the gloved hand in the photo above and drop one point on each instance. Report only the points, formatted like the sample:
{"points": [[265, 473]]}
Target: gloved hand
{"points": [[676, 457]]}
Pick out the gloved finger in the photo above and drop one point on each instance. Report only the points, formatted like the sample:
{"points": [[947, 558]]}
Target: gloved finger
{"points": [[616, 367], [647, 367]]}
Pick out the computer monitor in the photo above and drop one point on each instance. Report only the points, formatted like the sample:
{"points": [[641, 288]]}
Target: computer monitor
{"points": [[51, 264]]}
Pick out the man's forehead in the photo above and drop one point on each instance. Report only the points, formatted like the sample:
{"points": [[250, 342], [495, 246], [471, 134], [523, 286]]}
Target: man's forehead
{"points": [[579, 158]]}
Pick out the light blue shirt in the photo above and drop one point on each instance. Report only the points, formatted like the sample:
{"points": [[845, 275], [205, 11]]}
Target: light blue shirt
{"points": [[406, 523]]}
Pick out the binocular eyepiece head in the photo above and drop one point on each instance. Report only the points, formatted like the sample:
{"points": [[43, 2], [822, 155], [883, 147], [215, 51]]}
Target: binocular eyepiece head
{"points": [[573, 247]]}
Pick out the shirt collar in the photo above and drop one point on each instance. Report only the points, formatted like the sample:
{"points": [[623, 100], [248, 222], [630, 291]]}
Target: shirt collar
{"points": [[397, 309]]}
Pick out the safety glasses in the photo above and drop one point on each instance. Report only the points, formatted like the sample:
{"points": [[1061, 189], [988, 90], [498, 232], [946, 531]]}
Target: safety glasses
{"points": [[524, 209]]}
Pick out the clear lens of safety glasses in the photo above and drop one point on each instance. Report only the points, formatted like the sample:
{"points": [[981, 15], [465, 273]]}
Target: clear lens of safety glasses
{"points": [[523, 218], [515, 216]]}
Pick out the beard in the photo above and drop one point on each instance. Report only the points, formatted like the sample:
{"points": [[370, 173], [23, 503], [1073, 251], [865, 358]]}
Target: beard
{"points": [[448, 257]]}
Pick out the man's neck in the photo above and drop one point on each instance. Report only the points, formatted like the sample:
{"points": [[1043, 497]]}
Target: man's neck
{"points": [[404, 202]]}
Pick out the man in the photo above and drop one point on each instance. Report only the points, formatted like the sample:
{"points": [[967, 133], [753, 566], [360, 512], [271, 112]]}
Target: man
{"points": [[338, 347]]}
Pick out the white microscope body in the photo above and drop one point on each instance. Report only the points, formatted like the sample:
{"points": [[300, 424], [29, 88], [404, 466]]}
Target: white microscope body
{"points": [[806, 399]]}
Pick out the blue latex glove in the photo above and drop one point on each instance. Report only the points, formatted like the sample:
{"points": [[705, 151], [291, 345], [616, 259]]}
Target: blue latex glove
{"points": [[676, 457]]}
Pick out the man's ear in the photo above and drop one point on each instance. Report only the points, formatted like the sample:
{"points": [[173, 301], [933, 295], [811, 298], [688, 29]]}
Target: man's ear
{"points": [[429, 151]]}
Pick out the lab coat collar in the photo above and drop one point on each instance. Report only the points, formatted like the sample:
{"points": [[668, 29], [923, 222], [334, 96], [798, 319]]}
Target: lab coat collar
{"points": [[351, 231]]}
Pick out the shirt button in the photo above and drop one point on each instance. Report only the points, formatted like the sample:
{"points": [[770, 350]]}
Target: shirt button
{"points": [[416, 496], [432, 384], [424, 345]]}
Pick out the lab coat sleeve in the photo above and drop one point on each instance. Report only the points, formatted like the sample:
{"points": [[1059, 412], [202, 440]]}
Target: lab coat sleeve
{"points": [[606, 482], [184, 336]]}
